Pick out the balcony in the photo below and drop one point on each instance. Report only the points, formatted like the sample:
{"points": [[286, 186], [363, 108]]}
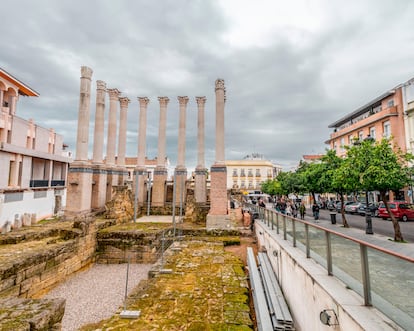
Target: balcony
{"points": [[365, 122], [59, 182]]}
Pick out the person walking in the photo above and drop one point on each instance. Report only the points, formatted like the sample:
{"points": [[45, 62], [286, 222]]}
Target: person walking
{"points": [[315, 211], [302, 210]]}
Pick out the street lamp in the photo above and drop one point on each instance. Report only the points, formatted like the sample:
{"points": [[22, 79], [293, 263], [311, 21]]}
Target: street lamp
{"points": [[368, 219]]}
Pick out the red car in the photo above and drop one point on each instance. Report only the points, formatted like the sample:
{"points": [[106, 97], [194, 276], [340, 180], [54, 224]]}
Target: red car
{"points": [[402, 210]]}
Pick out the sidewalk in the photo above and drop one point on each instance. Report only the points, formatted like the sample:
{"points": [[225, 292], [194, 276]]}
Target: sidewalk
{"points": [[405, 249]]}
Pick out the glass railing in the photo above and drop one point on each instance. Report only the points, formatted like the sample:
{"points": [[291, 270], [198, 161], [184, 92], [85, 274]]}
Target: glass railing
{"points": [[383, 278]]}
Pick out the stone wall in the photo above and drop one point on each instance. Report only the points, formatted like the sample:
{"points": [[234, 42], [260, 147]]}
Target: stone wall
{"points": [[41, 315], [35, 265]]}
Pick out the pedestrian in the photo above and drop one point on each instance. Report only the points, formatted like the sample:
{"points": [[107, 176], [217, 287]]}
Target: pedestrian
{"points": [[294, 210], [315, 211], [302, 210], [261, 203], [288, 209]]}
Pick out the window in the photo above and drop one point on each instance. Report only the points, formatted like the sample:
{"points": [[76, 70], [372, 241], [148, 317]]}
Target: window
{"points": [[258, 173], [243, 184], [342, 144], [372, 132], [390, 103], [360, 135], [234, 172], [387, 129], [242, 173], [250, 173], [350, 139]]}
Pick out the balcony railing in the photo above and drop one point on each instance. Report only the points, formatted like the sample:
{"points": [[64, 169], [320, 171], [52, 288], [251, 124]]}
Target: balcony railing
{"points": [[39, 183], [382, 277], [57, 182]]}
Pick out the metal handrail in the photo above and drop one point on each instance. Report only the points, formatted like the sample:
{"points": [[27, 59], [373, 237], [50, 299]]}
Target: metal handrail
{"points": [[366, 283]]}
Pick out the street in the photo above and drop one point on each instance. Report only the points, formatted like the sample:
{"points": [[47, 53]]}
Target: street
{"points": [[379, 225]]}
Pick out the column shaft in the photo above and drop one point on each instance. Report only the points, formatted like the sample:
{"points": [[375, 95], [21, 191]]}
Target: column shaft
{"points": [[162, 131], [181, 132], [142, 130], [83, 115], [124, 101], [98, 137], [111, 142], [220, 96], [201, 101]]}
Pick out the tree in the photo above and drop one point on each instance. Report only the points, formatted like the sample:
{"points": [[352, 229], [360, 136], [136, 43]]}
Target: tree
{"points": [[311, 175], [271, 187], [378, 166], [331, 179]]}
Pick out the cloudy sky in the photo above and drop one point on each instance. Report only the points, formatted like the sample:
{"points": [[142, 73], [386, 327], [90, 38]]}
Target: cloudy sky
{"points": [[291, 68]]}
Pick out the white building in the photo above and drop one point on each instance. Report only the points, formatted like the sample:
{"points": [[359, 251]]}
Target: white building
{"points": [[251, 172], [33, 162]]}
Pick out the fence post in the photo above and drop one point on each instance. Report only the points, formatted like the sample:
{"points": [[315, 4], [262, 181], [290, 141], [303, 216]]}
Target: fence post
{"points": [[284, 227], [307, 240], [294, 231], [365, 275], [328, 253]]}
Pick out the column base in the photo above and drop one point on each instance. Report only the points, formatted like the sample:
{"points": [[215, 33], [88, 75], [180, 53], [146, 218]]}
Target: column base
{"points": [[99, 180], [180, 186], [79, 189], [200, 183], [221, 222], [159, 187]]}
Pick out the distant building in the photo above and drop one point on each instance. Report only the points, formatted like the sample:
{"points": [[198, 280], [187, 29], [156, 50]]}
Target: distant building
{"points": [[33, 160], [391, 114], [383, 116], [309, 158], [250, 172]]}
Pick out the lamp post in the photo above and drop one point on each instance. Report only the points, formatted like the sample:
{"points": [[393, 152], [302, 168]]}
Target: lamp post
{"points": [[368, 219]]}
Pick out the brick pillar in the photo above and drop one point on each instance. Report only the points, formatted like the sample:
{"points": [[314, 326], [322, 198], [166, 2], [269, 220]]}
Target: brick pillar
{"points": [[161, 172], [200, 191], [79, 189]]}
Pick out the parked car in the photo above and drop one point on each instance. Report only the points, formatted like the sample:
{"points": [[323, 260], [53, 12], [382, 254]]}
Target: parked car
{"points": [[352, 208], [402, 210], [373, 208], [339, 205]]}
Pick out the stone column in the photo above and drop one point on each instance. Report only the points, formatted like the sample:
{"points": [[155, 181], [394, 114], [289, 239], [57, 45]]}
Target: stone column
{"points": [[180, 169], [122, 140], [79, 189], [99, 178], [141, 170], [217, 217], [200, 171], [111, 142], [161, 172], [82, 139], [98, 137]]}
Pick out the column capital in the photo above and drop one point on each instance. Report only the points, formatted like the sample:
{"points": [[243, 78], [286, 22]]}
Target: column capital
{"points": [[100, 85], [86, 72], [124, 101], [220, 84], [183, 100], [201, 100], [113, 93], [163, 101], [143, 101]]}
